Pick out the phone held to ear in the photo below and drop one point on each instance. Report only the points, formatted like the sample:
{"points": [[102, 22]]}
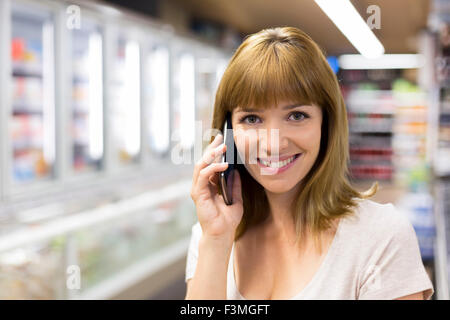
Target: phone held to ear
{"points": [[230, 155]]}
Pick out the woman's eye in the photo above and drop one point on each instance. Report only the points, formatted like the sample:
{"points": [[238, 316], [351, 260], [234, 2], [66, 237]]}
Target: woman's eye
{"points": [[297, 116], [251, 119]]}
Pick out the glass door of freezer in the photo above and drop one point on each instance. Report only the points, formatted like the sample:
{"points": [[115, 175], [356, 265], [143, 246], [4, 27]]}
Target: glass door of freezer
{"points": [[157, 108], [126, 102], [206, 73], [184, 100], [33, 94], [87, 97]]}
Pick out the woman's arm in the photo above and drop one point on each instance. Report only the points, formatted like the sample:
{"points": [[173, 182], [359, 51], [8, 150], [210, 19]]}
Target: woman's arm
{"points": [[414, 296], [210, 277]]}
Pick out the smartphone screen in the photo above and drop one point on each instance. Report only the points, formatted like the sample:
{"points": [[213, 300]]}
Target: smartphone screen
{"points": [[230, 156]]}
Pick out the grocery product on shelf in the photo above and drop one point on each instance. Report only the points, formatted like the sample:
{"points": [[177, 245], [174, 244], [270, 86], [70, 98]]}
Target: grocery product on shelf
{"points": [[371, 117], [32, 109]]}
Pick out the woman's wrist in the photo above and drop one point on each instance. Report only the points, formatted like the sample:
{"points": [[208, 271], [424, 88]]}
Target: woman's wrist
{"points": [[222, 243]]}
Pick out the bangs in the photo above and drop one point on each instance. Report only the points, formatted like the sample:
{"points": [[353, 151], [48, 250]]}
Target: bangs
{"points": [[262, 78]]}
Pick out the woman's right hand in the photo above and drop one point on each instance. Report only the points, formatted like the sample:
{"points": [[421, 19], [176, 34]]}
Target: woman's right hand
{"points": [[218, 220]]}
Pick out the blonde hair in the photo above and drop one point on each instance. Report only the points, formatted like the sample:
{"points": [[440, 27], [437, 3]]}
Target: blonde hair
{"points": [[286, 64]]}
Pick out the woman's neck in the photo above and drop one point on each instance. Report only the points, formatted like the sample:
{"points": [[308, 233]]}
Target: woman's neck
{"points": [[280, 218]]}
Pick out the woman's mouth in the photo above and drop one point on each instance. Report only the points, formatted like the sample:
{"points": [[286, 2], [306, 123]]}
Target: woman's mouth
{"points": [[273, 167]]}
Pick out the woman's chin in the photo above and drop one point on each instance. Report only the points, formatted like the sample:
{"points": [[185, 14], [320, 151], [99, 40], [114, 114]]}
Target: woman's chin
{"points": [[278, 186]]}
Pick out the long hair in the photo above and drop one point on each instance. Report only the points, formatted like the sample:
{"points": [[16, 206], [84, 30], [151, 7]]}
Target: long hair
{"points": [[286, 64]]}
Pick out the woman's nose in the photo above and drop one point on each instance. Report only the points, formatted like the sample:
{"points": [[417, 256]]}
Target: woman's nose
{"points": [[273, 141]]}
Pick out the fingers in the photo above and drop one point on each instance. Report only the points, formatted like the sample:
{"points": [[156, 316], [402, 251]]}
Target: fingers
{"points": [[213, 151], [204, 176], [217, 140], [212, 154], [214, 179]]}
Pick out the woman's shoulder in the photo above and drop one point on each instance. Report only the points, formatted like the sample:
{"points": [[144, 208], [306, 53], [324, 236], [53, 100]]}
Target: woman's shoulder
{"points": [[376, 220]]}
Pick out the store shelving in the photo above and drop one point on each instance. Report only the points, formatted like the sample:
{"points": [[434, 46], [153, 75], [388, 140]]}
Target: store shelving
{"points": [[389, 131], [371, 116], [33, 107], [440, 86]]}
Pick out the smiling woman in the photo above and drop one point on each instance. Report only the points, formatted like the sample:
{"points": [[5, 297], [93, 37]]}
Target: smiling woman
{"points": [[284, 67], [295, 221]]}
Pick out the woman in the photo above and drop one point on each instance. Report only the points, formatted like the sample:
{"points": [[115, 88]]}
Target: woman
{"points": [[296, 228]]}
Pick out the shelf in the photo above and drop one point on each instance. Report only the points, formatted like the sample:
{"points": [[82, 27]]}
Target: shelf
{"points": [[28, 147], [23, 70], [18, 111]]}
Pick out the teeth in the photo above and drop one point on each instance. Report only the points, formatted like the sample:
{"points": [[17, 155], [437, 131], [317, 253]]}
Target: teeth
{"points": [[279, 164]]}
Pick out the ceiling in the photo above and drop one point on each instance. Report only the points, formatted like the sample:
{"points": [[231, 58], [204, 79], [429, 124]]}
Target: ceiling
{"points": [[401, 20]]}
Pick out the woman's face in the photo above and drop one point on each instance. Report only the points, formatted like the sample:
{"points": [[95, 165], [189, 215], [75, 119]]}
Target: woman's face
{"points": [[287, 134]]}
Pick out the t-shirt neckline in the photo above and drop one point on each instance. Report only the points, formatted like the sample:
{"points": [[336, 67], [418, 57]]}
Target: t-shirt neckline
{"points": [[322, 266]]}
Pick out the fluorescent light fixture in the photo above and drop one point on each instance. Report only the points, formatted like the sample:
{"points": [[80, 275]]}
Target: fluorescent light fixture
{"points": [[48, 99], [95, 96], [158, 62], [347, 19], [187, 100], [386, 61], [133, 99]]}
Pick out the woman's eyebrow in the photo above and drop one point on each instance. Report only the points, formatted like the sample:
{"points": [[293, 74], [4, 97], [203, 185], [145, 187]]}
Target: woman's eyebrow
{"points": [[288, 107]]}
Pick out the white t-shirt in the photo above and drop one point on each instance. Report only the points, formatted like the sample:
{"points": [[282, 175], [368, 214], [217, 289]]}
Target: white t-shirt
{"points": [[374, 255]]}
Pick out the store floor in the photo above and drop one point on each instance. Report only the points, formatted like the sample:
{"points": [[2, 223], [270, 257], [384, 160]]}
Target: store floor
{"points": [[175, 291]]}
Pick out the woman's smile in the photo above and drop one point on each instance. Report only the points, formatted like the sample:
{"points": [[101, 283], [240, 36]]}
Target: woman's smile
{"points": [[277, 167]]}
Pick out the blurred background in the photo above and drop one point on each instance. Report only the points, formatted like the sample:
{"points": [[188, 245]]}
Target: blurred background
{"points": [[97, 99]]}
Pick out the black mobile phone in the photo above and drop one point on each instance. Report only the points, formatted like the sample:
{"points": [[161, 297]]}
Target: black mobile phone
{"points": [[230, 156]]}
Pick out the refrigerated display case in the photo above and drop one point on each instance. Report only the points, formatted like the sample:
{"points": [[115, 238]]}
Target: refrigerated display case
{"points": [[113, 247], [157, 95], [119, 226], [125, 102], [87, 97], [32, 126], [184, 95], [210, 66], [206, 69]]}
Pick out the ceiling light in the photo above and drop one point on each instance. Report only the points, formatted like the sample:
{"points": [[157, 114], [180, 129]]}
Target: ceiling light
{"points": [[347, 19], [386, 61]]}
